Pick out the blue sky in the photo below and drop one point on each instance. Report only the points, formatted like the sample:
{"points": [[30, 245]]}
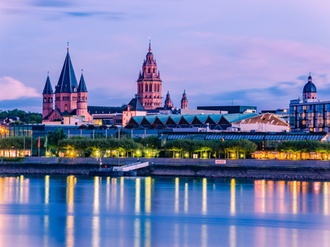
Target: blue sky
{"points": [[251, 52]]}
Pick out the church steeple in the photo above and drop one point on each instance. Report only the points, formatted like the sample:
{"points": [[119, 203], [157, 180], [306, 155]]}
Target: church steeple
{"points": [[184, 101], [82, 85], [149, 84], [66, 88], [67, 83], [48, 86], [149, 50], [168, 102], [47, 94]]}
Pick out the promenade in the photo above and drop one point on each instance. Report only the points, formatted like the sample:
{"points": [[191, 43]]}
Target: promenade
{"points": [[244, 168]]}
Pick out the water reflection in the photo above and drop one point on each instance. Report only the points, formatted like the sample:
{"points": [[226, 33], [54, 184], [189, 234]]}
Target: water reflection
{"points": [[176, 198], [70, 227], [204, 196], [291, 197], [137, 195], [148, 195], [95, 211], [232, 197]]}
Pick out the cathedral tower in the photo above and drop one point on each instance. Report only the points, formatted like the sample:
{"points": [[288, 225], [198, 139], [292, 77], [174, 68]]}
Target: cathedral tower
{"points": [[149, 84], [82, 95], [168, 104], [184, 101], [66, 88], [48, 95]]}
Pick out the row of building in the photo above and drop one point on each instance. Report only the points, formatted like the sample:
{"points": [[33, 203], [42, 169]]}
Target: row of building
{"points": [[68, 105]]}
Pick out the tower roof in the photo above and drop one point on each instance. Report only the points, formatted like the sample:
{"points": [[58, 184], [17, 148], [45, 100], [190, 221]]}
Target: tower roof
{"points": [[67, 83], [135, 105], [309, 86], [48, 87], [82, 88], [168, 102], [184, 95], [150, 56]]}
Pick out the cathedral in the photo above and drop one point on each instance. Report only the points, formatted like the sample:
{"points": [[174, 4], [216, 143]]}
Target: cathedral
{"points": [[69, 103], [70, 98]]}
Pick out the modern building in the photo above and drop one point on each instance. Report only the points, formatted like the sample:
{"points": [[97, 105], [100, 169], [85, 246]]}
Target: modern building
{"points": [[71, 98], [204, 121], [230, 108], [265, 122], [308, 113]]}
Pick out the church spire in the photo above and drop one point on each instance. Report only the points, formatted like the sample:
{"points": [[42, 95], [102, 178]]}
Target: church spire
{"points": [[168, 102], [149, 49], [48, 86], [82, 85], [67, 83], [184, 101]]}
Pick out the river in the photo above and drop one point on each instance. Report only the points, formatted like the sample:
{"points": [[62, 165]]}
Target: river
{"points": [[162, 211]]}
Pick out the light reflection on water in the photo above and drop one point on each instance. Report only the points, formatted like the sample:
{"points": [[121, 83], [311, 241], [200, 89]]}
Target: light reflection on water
{"points": [[102, 211]]}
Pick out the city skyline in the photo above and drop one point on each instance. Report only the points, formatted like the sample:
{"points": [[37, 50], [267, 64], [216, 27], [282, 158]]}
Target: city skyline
{"points": [[248, 52]]}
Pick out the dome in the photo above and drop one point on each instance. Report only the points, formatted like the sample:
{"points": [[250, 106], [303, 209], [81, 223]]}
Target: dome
{"points": [[309, 86]]}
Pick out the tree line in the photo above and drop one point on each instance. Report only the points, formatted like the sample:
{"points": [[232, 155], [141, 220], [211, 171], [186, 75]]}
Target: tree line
{"points": [[56, 143]]}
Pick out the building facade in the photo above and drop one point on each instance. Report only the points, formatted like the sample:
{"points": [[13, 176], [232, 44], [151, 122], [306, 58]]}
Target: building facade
{"points": [[309, 113]]}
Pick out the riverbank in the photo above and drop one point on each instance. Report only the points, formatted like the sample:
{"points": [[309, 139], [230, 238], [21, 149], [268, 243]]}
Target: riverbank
{"points": [[249, 168]]}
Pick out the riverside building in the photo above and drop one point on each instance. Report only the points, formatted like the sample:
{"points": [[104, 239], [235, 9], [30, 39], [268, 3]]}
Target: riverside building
{"points": [[309, 113]]}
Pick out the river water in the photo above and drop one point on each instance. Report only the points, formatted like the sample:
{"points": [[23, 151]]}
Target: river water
{"points": [[103, 211]]}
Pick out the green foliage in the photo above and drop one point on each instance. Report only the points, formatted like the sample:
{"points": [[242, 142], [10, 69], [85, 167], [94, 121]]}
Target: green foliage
{"points": [[16, 142], [55, 136], [149, 141], [24, 117]]}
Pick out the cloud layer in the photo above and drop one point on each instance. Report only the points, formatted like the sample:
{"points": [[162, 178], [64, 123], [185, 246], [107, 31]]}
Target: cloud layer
{"points": [[12, 89]]}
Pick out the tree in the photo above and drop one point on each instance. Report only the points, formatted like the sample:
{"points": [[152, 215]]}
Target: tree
{"points": [[54, 137]]}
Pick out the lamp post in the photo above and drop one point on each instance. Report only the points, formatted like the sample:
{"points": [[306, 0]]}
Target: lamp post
{"points": [[31, 142]]}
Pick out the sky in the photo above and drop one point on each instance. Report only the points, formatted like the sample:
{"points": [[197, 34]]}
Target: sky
{"points": [[221, 52]]}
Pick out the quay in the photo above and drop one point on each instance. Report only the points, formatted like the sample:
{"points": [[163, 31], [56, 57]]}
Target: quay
{"points": [[242, 168]]}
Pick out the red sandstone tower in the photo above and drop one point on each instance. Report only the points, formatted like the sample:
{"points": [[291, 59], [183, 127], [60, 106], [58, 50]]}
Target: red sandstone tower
{"points": [[149, 84], [47, 93], [82, 94], [184, 101]]}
